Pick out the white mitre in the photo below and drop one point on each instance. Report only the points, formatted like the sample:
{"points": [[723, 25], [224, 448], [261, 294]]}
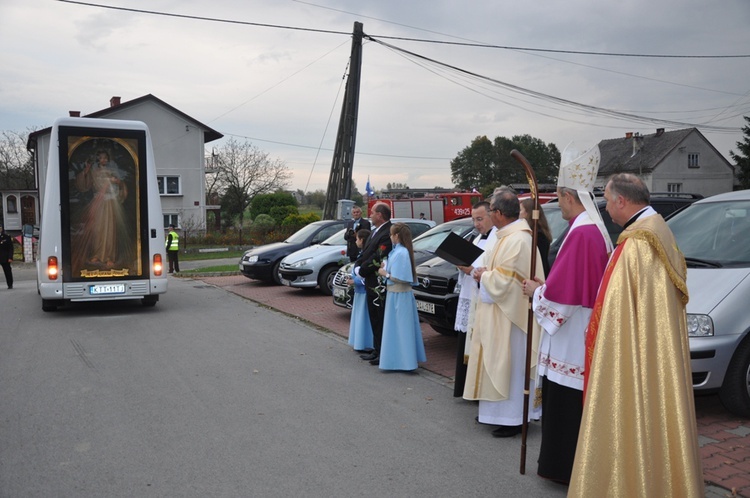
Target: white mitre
{"points": [[578, 172]]}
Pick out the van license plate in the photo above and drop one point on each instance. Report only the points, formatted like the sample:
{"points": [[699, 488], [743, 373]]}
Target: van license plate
{"points": [[426, 307], [339, 292], [107, 289]]}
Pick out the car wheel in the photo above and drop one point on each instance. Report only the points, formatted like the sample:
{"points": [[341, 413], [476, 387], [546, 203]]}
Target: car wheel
{"points": [[735, 391], [275, 273], [443, 330], [325, 280]]}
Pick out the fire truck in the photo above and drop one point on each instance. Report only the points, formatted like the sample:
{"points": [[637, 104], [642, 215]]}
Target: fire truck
{"points": [[439, 205]]}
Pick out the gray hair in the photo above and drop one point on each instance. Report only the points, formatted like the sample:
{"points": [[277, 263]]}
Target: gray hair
{"points": [[505, 200], [630, 187]]}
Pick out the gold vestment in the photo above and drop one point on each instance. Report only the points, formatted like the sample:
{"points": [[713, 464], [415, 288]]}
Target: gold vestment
{"points": [[638, 435]]}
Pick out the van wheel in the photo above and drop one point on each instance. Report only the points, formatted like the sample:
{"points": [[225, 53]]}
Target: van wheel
{"points": [[735, 391], [49, 305], [150, 301], [325, 280]]}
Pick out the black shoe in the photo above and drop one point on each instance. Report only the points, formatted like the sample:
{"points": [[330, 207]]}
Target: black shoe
{"points": [[369, 357], [376, 361], [507, 431], [364, 351]]}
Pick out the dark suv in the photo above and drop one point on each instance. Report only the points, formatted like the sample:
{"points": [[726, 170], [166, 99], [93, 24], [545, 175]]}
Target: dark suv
{"points": [[437, 294]]}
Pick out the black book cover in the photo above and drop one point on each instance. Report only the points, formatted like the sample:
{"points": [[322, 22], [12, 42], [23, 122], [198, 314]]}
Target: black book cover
{"points": [[458, 251]]}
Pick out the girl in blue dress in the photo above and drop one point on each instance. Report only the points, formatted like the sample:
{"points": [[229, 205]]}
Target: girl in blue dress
{"points": [[402, 347], [360, 330]]}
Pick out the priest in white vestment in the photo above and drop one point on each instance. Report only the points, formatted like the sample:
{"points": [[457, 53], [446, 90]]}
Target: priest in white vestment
{"points": [[497, 358]]}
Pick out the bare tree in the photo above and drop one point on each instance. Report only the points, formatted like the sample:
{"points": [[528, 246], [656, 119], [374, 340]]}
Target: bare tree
{"points": [[243, 171], [189, 224], [16, 164]]}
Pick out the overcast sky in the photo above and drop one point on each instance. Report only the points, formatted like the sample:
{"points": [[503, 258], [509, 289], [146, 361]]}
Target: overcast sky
{"points": [[283, 89]]}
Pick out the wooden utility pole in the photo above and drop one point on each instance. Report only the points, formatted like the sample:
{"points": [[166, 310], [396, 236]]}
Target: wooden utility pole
{"points": [[340, 179]]}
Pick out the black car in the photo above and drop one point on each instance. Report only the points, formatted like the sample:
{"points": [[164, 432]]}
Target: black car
{"points": [[437, 294], [262, 262], [424, 249], [664, 203]]}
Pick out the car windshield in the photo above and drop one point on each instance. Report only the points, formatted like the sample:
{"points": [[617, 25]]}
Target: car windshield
{"points": [[337, 239], [303, 234], [432, 238], [714, 232]]}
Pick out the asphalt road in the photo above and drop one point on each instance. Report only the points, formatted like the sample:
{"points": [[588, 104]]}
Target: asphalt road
{"points": [[208, 394]]}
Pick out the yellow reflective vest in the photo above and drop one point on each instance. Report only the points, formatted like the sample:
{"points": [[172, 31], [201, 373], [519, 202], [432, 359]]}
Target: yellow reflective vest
{"points": [[175, 245]]}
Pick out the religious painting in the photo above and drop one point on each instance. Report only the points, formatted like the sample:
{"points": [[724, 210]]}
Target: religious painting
{"points": [[103, 229]]}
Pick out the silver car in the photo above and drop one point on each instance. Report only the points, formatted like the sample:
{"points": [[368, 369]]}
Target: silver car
{"points": [[316, 266], [714, 236]]}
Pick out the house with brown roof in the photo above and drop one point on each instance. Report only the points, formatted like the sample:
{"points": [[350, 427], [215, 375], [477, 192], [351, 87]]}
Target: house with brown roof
{"points": [[179, 153], [668, 161]]}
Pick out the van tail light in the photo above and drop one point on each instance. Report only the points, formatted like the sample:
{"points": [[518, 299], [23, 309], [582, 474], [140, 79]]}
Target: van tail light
{"points": [[158, 268], [52, 270]]}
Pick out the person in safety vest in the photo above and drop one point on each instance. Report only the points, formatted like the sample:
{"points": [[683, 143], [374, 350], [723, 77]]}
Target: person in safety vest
{"points": [[173, 250]]}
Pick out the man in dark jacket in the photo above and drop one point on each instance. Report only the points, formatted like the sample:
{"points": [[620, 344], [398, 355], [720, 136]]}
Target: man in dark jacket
{"points": [[6, 256], [352, 227], [367, 265], [173, 250]]}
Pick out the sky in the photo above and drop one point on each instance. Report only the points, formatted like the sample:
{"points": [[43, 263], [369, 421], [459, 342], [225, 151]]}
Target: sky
{"points": [[282, 89]]}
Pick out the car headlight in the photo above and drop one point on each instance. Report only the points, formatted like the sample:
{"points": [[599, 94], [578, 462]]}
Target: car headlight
{"points": [[252, 259], [300, 263], [457, 288], [700, 325]]}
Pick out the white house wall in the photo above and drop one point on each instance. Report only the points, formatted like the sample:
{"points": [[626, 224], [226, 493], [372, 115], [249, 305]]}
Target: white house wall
{"points": [[712, 176], [178, 151]]}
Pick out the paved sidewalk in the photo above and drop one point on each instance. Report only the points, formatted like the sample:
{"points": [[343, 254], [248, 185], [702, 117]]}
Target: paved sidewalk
{"points": [[724, 438]]}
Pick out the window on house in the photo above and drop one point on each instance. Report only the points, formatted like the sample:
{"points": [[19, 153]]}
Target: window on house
{"points": [[171, 219], [674, 187], [12, 204], [693, 161], [169, 185]]}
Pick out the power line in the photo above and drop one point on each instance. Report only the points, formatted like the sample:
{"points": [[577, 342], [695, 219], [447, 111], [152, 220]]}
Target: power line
{"points": [[403, 38], [553, 99]]}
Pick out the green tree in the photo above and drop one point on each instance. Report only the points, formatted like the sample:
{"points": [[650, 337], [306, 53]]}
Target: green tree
{"points": [[264, 203], [486, 164], [300, 219], [280, 213], [743, 158], [474, 166], [317, 198]]}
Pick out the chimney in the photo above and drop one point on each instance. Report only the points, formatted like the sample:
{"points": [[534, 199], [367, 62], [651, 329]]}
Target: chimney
{"points": [[629, 135], [637, 144], [114, 101], [75, 114], [659, 132]]}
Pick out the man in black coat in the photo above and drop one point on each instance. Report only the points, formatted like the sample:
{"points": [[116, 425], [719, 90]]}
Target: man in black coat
{"points": [[367, 265], [6, 256], [352, 227]]}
